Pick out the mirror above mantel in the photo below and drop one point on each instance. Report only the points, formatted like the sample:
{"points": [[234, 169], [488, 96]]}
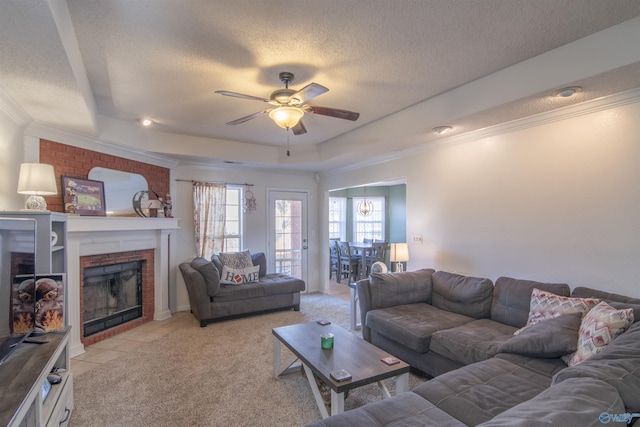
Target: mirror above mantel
{"points": [[119, 189]]}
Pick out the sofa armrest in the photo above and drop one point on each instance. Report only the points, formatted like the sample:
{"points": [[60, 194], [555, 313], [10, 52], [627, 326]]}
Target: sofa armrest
{"points": [[199, 299], [364, 301], [384, 290]]}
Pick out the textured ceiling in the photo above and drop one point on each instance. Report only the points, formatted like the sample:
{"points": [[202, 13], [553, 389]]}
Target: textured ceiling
{"points": [[90, 65]]}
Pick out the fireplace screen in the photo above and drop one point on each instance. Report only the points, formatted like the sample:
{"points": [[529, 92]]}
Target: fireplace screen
{"points": [[111, 295]]}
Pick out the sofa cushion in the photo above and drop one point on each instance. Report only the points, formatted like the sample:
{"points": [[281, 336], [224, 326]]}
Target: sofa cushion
{"points": [[239, 276], [279, 283], [210, 274], [548, 338], [598, 328], [478, 392], [546, 305], [405, 409], [236, 293], [615, 300], [469, 296], [622, 305], [260, 260], [544, 366], [390, 289], [618, 365], [236, 259], [512, 299], [215, 259], [578, 402], [271, 284], [412, 325], [472, 342]]}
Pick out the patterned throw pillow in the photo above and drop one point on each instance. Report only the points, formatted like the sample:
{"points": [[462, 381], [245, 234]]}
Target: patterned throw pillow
{"points": [[239, 276], [236, 259], [547, 305], [598, 328]]}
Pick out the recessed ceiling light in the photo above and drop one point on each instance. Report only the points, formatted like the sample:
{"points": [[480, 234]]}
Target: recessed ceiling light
{"points": [[442, 129], [566, 92], [146, 122]]}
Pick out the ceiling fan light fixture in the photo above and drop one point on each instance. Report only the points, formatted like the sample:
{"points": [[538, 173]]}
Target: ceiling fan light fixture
{"points": [[286, 117]]}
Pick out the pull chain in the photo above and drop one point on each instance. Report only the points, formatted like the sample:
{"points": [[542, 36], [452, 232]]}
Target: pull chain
{"points": [[288, 153]]}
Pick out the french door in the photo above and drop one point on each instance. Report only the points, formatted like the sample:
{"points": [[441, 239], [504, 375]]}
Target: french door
{"points": [[288, 233]]}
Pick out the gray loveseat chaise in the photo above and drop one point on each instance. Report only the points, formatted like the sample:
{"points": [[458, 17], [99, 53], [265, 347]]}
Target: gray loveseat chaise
{"points": [[460, 330], [210, 300]]}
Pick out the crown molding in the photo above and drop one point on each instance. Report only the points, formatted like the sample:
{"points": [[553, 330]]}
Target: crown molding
{"points": [[88, 142], [13, 110], [564, 113], [560, 114]]}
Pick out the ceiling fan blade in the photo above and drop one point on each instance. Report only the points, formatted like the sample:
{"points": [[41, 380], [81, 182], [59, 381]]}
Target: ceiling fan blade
{"points": [[333, 112], [309, 91], [247, 118], [299, 129], [240, 95]]}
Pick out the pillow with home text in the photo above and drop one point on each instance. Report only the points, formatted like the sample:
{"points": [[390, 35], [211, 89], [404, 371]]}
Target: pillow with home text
{"points": [[239, 276]]}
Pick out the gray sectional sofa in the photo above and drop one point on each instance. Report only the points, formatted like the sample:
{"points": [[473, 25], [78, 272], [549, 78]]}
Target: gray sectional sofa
{"points": [[211, 301], [460, 330]]}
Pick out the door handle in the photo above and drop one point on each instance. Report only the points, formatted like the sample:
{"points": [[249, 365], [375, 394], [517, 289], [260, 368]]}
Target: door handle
{"points": [[304, 247]]}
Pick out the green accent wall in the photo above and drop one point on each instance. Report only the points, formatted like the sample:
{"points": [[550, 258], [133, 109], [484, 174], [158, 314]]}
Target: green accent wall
{"points": [[395, 202]]}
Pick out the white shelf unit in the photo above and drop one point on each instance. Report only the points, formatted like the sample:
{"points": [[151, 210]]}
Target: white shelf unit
{"points": [[23, 374], [50, 259]]}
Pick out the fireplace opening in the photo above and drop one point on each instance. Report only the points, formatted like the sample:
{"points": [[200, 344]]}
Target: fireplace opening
{"points": [[112, 295]]}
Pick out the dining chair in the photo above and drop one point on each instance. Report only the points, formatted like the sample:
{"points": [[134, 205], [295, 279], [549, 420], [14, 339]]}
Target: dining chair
{"points": [[349, 262], [378, 252], [334, 263]]}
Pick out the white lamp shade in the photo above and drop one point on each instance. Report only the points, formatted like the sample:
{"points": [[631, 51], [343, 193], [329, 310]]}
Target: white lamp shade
{"points": [[37, 179], [399, 252], [286, 117]]}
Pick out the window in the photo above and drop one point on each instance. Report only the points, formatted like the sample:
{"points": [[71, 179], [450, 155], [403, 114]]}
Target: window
{"points": [[372, 225], [233, 219], [338, 218]]}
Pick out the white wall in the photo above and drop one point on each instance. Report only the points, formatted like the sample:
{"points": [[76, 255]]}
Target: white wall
{"points": [[255, 223], [11, 147], [555, 201]]}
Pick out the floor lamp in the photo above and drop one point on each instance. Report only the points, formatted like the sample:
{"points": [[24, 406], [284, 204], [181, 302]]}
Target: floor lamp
{"points": [[399, 254]]}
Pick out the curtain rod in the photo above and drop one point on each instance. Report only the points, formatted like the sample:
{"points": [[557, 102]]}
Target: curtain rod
{"points": [[216, 182]]}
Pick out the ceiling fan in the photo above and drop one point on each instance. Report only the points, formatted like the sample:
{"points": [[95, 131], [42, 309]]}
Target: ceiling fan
{"points": [[290, 105]]}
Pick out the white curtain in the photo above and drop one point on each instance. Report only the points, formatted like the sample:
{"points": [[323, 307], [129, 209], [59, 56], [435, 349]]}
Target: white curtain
{"points": [[209, 206]]}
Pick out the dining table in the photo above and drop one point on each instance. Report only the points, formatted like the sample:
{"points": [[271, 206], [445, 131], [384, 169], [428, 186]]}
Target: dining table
{"points": [[363, 249]]}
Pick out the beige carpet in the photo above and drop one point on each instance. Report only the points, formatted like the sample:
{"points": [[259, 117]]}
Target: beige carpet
{"points": [[221, 375]]}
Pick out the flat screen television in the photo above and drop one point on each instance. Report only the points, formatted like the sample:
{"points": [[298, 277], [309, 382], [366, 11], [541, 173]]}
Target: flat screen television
{"points": [[17, 282]]}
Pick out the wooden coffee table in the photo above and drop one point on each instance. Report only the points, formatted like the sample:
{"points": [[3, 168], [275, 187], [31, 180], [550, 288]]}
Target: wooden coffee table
{"points": [[360, 358]]}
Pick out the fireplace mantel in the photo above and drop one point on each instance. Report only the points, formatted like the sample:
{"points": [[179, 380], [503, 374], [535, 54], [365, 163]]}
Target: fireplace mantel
{"points": [[104, 235]]}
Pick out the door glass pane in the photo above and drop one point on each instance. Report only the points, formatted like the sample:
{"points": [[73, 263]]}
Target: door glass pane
{"points": [[288, 244]]}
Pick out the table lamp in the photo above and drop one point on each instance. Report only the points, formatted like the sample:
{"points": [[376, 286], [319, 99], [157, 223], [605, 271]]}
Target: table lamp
{"points": [[36, 180], [399, 254]]}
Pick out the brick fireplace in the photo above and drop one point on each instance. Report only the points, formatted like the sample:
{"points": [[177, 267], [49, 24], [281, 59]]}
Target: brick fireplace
{"points": [[101, 236], [93, 241], [110, 259]]}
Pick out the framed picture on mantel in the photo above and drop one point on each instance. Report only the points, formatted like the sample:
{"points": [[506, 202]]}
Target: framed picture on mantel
{"points": [[83, 196]]}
